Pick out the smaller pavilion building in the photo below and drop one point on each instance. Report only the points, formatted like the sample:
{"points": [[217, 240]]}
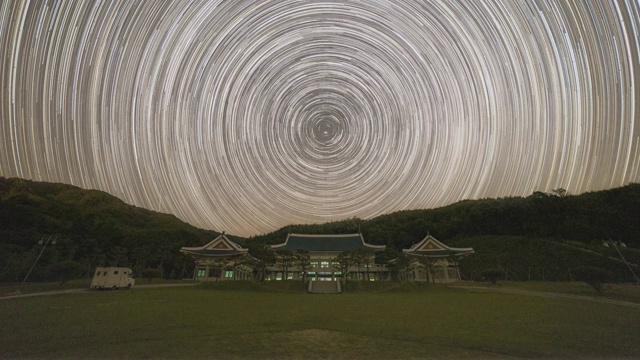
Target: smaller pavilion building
{"points": [[220, 259], [434, 261]]}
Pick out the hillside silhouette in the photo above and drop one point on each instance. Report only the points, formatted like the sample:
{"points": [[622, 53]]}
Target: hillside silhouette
{"points": [[541, 236], [91, 228]]}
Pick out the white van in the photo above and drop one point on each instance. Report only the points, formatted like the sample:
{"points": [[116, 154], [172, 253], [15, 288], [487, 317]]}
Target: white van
{"points": [[113, 278]]}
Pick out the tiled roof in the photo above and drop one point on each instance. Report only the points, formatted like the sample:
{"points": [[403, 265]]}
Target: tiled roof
{"points": [[441, 253], [211, 252], [220, 246], [430, 246], [328, 243]]}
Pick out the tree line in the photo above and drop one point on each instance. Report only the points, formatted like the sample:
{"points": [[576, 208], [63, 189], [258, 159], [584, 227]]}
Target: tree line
{"points": [[587, 218], [94, 228]]}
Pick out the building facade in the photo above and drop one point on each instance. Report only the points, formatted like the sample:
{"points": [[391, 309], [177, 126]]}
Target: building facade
{"points": [[327, 258], [433, 261], [220, 259]]}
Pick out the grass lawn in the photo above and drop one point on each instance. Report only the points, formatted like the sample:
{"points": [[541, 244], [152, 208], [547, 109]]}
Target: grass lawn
{"points": [[218, 321]]}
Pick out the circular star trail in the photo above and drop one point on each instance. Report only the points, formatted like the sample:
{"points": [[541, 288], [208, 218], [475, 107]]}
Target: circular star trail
{"points": [[246, 116]]}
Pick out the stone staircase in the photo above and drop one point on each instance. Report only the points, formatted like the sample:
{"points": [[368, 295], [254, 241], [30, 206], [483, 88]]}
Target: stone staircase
{"points": [[324, 287]]}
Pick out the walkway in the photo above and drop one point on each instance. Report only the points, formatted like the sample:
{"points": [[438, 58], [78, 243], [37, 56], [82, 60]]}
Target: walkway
{"points": [[547, 295], [81, 290]]}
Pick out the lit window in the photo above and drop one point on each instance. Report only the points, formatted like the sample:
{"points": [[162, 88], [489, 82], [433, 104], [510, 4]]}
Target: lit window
{"points": [[314, 264], [201, 272], [228, 274], [324, 264]]}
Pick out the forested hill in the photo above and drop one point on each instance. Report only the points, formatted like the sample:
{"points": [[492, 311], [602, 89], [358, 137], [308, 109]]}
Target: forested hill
{"points": [[91, 227], [94, 228], [540, 237], [586, 218]]}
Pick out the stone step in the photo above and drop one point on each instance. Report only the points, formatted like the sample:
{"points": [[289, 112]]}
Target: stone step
{"points": [[324, 287]]}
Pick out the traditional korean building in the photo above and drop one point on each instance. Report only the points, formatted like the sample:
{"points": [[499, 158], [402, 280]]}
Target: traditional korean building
{"points": [[434, 261], [324, 257], [320, 258], [220, 259]]}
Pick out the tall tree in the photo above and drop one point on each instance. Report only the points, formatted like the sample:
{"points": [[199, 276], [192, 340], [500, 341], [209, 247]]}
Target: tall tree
{"points": [[399, 266], [263, 257], [302, 262], [384, 257], [285, 258], [345, 259], [428, 266], [368, 256]]}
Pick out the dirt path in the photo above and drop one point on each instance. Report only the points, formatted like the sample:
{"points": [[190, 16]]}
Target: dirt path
{"points": [[548, 295], [71, 291]]}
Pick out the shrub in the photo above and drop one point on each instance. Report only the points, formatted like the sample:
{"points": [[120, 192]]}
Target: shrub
{"points": [[151, 273], [66, 270], [492, 275], [594, 276]]}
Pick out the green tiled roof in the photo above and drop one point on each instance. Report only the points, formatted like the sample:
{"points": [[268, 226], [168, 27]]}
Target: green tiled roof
{"points": [[329, 243], [430, 246], [442, 252], [212, 252], [220, 246]]}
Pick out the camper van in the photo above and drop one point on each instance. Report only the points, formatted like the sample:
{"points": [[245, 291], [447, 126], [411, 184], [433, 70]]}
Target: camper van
{"points": [[112, 278]]}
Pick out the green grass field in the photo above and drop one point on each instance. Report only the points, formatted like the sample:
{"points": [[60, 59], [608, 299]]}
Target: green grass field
{"points": [[249, 321]]}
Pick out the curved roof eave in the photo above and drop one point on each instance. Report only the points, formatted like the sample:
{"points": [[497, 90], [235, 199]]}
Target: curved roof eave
{"points": [[323, 242]]}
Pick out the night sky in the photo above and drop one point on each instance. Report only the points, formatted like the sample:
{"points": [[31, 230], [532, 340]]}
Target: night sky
{"points": [[246, 116]]}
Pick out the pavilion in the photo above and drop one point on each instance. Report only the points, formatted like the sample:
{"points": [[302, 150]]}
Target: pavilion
{"points": [[220, 259], [435, 261]]}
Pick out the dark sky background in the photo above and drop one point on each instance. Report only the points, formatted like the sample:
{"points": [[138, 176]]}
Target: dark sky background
{"points": [[246, 116]]}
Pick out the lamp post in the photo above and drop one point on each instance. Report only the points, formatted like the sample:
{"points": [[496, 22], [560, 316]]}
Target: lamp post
{"points": [[49, 239], [606, 243]]}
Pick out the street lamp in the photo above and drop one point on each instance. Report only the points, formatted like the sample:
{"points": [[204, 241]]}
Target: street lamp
{"points": [[615, 244], [53, 241]]}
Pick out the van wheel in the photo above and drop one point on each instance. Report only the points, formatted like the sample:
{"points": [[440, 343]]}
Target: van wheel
{"points": [[128, 286], [113, 287]]}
